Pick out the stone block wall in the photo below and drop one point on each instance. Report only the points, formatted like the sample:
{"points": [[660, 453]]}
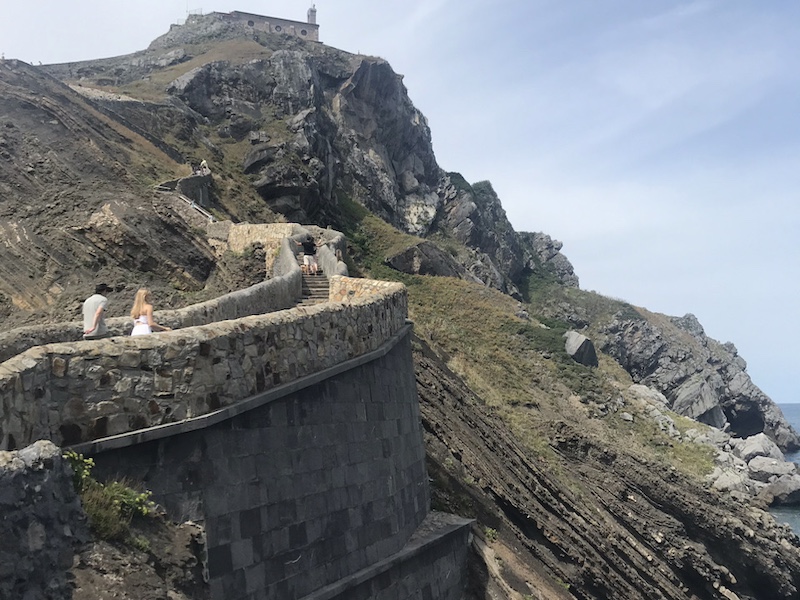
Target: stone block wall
{"points": [[303, 491], [432, 565], [351, 290], [42, 523], [241, 235], [73, 392]]}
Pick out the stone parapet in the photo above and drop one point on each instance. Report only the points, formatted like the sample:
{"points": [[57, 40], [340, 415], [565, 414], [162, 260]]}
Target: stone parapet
{"points": [[351, 290], [79, 391], [433, 564], [241, 235], [282, 291]]}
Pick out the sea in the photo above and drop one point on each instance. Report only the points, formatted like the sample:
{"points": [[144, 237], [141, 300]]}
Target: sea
{"points": [[790, 515]]}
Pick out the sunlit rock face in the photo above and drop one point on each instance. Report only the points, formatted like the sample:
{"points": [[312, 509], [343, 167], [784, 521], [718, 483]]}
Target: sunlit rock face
{"points": [[700, 377]]}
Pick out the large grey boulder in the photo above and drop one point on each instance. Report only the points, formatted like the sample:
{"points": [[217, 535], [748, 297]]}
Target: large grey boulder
{"points": [[766, 469], [784, 491], [580, 348], [732, 481], [756, 445]]}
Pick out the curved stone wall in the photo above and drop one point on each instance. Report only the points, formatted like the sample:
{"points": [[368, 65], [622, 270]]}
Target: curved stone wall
{"points": [[79, 391], [314, 484], [282, 291], [295, 436]]}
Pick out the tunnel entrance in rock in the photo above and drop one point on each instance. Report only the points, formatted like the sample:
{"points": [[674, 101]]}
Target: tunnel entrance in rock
{"points": [[745, 420]]}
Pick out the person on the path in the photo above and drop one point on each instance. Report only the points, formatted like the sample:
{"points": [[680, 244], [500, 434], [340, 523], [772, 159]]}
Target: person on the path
{"points": [[309, 254], [142, 314], [94, 307]]}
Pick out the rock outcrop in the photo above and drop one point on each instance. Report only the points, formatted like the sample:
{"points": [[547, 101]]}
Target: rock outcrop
{"points": [[700, 377], [581, 348], [322, 124], [427, 258]]}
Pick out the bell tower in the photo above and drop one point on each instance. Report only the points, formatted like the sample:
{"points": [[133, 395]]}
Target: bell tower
{"points": [[312, 14]]}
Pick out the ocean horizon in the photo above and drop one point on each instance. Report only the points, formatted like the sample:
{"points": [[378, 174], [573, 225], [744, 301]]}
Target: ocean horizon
{"points": [[790, 515]]}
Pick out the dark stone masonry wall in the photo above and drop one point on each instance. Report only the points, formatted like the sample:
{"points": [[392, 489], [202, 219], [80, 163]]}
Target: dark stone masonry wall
{"points": [[308, 489], [431, 566], [41, 523], [293, 436]]}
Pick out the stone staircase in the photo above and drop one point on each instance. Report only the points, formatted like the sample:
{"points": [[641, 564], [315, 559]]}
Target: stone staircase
{"points": [[314, 289]]}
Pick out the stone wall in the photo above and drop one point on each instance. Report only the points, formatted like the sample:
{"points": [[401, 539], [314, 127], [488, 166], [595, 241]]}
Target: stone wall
{"points": [[42, 523], [305, 490], [432, 565], [241, 235], [79, 391], [295, 437], [196, 187], [350, 290], [282, 291]]}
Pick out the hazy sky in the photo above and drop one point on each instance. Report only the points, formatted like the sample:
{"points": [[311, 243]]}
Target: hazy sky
{"points": [[658, 140]]}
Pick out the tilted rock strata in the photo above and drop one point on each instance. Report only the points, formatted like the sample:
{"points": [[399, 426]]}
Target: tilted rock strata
{"points": [[636, 530]]}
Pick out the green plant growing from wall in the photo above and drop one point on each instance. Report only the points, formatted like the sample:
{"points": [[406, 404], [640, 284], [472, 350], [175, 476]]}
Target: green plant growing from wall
{"points": [[110, 507]]}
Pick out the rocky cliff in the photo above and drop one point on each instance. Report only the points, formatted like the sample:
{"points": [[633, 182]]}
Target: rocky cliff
{"points": [[586, 489], [700, 377]]}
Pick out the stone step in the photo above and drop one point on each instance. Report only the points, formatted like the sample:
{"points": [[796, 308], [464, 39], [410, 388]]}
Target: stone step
{"points": [[315, 289]]}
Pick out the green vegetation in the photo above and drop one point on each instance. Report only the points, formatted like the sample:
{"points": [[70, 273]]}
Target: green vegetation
{"points": [[490, 534], [644, 433], [459, 182], [110, 507]]}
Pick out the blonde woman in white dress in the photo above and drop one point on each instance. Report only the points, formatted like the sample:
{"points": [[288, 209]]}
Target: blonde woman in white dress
{"points": [[142, 314]]}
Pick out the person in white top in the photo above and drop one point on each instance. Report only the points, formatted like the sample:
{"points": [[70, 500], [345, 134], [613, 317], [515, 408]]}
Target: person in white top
{"points": [[142, 314]]}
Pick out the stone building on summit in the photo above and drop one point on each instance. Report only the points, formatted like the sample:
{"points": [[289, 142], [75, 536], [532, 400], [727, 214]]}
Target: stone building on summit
{"points": [[308, 30]]}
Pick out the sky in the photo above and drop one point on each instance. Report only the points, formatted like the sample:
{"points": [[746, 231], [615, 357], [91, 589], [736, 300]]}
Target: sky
{"points": [[658, 140]]}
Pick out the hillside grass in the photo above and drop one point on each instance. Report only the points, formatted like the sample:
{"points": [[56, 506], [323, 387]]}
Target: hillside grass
{"points": [[233, 51], [517, 365]]}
